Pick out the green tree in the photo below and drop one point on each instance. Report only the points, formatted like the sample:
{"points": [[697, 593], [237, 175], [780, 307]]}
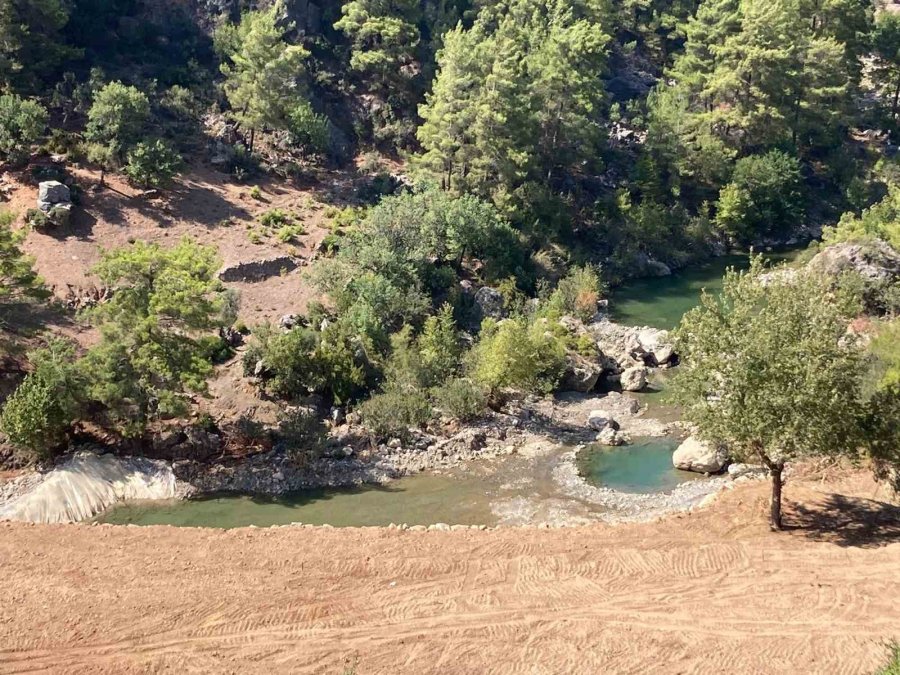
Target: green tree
{"points": [[264, 75], [879, 221], [116, 118], [33, 47], [763, 198], [768, 370], [383, 36], [37, 416], [17, 276], [517, 354], [886, 50], [150, 352], [152, 163], [22, 122]]}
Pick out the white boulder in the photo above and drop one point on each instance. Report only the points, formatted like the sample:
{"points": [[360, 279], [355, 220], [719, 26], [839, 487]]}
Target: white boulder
{"points": [[633, 379], [601, 419], [700, 457]]}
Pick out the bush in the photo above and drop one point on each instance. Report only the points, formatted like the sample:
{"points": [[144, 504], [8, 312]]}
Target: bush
{"points": [[152, 163], [303, 435], [764, 197], [881, 221], [577, 294], [117, 117], [308, 130], [274, 218], [518, 355], [392, 412], [460, 398], [21, 124], [37, 416]]}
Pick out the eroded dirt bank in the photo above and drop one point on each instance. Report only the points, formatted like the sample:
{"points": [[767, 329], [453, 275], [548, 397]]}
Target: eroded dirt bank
{"points": [[713, 591]]}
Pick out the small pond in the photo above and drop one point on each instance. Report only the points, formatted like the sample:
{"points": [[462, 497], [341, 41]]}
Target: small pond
{"points": [[642, 467]]}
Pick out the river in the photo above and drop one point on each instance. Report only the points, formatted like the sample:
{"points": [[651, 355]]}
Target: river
{"points": [[513, 490]]}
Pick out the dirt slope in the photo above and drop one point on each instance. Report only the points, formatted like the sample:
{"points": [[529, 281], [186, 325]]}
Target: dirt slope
{"points": [[712, 592]]}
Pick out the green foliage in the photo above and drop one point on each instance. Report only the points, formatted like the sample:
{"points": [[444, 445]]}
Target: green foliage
{"points": [[308, 129], [519, 355], [274, 218], [22, 122], [264, 75], [303, 435], [892, 667], [577, 294], [150, 352], [439, 347], [516, 102], [406, 252], [333, 362], [17, 276], [881, 221], [33, 46], [768, 370], [153, 163], [37, 416], [886, 71], [116, 119], [763, 198], [461, 399], [392, 412]]}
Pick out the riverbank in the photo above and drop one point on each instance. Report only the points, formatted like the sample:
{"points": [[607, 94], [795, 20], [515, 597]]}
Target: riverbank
{"points": [[713, 591]]}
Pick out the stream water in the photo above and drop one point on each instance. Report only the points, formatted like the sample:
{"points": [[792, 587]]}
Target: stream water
{"points": [[514, 490]]}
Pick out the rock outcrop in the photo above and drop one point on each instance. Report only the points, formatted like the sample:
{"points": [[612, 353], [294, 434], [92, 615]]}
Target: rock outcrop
{"points": [[700, 457], [633, 379], [873, 260], [581, 374]]}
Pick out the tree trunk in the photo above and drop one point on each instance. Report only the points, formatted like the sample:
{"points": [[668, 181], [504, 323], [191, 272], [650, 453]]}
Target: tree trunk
{"points": [[775, 470], [252, 138]]}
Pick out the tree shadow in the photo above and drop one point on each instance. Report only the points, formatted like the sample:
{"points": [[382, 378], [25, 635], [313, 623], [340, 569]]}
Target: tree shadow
{"points": [[846, 521]]}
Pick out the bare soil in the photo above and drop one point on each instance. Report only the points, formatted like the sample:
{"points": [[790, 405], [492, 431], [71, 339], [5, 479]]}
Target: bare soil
{"points": [[709, 592]]}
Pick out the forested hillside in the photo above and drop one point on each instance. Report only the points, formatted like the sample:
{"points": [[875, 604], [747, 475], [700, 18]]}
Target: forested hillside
{"points": [[509, 153]]}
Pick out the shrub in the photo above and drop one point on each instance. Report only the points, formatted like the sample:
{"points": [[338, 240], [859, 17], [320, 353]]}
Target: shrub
{"points": [[577, 294], [460, 398], [289, 233], [39, 413], [881, 221], [256, 193], [763, 198], [117, 117], [394, 411], [21, 124], [519, 355], [439, 347], [308, 129], [274, 218], [303, 435], [152, 163]]}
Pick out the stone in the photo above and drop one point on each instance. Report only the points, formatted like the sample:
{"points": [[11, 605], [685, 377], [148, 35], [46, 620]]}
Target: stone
{"points": [[581, 374], [60, 214], [52, 192], [289, 321], [601, 419], [873, 260], [700, 457], [490, 303], [612, 437], [739, 470], [633, 379]]}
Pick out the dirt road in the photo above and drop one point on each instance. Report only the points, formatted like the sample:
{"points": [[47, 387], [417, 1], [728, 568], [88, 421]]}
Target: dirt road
{"points": [[712, 592]]}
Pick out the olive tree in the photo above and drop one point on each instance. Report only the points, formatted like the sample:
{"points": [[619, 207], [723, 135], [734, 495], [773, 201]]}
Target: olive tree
{"points": [[768, 368]]}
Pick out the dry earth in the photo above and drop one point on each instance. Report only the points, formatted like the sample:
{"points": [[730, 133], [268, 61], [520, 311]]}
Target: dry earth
{"points": [[712, 592]]}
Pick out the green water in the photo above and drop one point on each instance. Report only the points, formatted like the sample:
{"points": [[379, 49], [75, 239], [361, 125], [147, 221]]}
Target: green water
{"points": [[662, 301], [643, 467], [417, 500]]}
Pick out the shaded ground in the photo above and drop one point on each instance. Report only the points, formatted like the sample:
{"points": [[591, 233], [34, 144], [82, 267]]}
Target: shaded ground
{"points": [[710, 592]]}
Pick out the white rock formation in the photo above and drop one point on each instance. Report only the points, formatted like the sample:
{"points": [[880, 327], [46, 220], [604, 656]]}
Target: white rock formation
{"points": [[695, 455]]}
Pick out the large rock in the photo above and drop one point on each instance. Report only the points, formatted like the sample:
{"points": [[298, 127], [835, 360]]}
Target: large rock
{"points": [[51, 193], [490, 303], [696, 455], [601, 419], [581, 374], [633, 379], [873, 260], [655, 345]]}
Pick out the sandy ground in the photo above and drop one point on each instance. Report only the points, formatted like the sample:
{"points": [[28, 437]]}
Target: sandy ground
{"points": [[712, 592]]}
